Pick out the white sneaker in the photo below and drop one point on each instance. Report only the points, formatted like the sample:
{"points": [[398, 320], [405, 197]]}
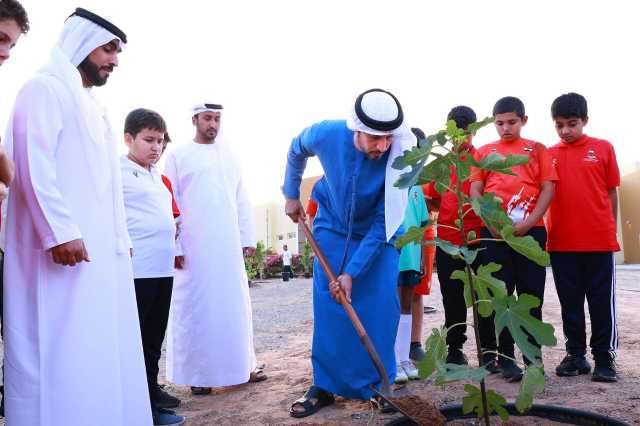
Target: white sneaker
{"points": [[410, 370], [401, 375]]}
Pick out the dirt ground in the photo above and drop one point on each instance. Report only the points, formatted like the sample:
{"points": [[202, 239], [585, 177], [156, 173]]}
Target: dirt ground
{"points": [[283, 322]]}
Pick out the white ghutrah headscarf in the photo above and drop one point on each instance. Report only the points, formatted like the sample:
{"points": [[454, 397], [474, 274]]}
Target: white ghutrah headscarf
{"points": [[378, 112], [80, 36], [82, 33], [204, 107]]}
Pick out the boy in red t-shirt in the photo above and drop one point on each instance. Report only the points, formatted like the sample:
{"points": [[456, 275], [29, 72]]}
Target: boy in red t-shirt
{"points": [[167, 182], [455, 308], [582, 250], [526, 197]]}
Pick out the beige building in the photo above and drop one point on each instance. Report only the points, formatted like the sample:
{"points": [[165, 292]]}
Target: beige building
{"points": [[275, 229], [629, 225]]}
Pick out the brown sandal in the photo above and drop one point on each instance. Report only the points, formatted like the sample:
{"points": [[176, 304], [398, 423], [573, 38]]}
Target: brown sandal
{"points": [[257, 375], [197, 390]]}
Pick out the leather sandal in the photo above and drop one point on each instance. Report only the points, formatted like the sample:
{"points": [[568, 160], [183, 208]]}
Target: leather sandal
{"points": [[312, 401]]}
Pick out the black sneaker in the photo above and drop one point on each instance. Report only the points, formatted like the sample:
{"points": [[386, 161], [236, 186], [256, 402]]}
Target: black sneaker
{"points": [[573, 365], [162, 399], [510, 370], [490, 363], [162, 417], [455, 356], [416, 352], [605, 371]]}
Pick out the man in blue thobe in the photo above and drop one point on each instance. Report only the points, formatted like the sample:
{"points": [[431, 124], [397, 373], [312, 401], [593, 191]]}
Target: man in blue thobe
{"points": [[359, 212]]}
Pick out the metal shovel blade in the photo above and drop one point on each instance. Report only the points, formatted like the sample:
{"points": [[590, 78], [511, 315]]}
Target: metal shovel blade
{"points": [[386, 397]]}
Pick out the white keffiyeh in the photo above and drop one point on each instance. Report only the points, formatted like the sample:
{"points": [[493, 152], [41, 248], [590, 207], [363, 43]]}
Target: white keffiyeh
{"points": [[380, 106]]}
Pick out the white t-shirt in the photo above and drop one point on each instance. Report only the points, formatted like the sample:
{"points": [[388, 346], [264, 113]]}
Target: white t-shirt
{"points": [[147, 203], [286, 258]]}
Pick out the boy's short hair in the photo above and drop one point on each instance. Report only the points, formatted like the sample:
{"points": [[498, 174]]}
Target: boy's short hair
{"points": [[509, 104], [417, 131], [13, 10], [143, 118], [419, 134], [569, 105], [463, 116]]}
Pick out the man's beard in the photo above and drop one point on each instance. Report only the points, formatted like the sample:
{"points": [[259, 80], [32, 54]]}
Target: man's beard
{"points": [[377, 155], [92, 72], [205, 136], [362, 147]]}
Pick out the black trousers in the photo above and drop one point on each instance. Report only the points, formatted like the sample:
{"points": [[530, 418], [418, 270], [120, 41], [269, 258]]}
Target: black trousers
{"points": [[154, 298], [589, 275], [286, 273], [519, 274], [455, 309]]}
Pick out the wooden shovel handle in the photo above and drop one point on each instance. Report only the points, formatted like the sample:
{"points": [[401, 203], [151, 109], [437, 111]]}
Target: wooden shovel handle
{"points": [[333, 278], [385, 387]]}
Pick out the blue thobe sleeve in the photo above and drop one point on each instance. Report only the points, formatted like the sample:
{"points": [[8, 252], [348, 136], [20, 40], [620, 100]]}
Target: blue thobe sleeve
{"points": [[370, 246], [302, 147]]}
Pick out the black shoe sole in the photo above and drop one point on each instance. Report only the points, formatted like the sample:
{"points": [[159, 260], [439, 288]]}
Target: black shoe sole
{"points": [[167, 405], [604, 379], [456, 359], [573, 373], [513, 379]]}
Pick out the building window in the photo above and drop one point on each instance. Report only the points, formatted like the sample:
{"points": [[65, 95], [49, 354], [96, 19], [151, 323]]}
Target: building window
{"points": [[292, 235], [280, 237]]}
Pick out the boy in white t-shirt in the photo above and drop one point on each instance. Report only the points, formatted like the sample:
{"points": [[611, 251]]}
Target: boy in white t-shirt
{"points": [[286, 264], [150, 221]]}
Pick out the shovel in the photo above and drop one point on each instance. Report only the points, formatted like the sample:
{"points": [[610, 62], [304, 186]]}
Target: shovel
{"points": [[385, 391], [385, 388]]}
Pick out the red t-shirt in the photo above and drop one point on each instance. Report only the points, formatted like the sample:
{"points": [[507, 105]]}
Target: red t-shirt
{"points": [[312, 207], [519, 193], [167, 183], [581, 216], [448, 212]]}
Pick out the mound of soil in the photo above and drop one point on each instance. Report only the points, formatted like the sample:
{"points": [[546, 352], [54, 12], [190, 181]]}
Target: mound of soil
{"points": [[425, 413]]}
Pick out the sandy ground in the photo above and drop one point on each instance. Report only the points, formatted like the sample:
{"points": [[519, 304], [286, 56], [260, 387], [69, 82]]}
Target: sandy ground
{"points": [[283, 322]]}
